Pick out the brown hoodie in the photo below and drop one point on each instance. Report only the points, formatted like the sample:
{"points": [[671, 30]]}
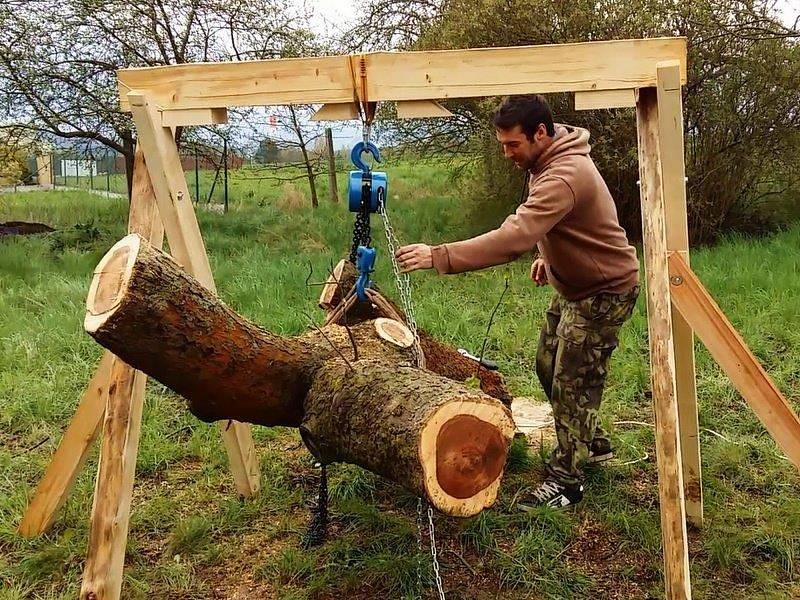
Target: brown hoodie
{"points": [[572, 218]]}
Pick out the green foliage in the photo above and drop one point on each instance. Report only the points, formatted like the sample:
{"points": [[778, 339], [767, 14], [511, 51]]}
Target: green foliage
{"points": [[742, 127]]}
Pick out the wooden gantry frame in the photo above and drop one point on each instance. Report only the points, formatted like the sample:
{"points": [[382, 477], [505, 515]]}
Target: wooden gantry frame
{"points": [[644, 74]]}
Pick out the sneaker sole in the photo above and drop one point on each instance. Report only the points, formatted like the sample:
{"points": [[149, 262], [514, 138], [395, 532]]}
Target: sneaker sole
{"points": [[598, 458], [528, 509]]}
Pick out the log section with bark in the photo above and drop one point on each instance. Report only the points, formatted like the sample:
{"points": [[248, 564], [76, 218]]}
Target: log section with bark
{"points": [[351, 390], [439, 358]]}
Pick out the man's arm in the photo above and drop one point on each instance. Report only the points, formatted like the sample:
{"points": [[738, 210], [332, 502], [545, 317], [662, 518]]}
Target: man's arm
{"points": [[548, 202]]}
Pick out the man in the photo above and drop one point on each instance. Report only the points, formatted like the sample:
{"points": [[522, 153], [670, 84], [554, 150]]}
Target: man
{"points": [[584, 253]]}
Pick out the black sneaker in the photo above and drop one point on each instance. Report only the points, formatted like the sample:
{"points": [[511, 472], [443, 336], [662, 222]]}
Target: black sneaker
{"points": [[600, 451], [552, 493]]}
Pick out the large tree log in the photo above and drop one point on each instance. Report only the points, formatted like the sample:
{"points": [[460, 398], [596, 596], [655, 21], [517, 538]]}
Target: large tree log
{"points": [[353, 390], [439, 358]]}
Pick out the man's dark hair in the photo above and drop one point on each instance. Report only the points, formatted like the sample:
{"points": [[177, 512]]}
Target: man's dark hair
{"points": [[528, 111]]}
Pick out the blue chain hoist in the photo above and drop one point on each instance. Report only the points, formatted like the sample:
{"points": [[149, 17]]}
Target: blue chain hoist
{"points": [[366, 193]]}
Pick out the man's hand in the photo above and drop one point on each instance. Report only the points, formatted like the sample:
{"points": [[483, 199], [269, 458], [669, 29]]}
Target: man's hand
{"points": [[413, 257], [539, 272]]}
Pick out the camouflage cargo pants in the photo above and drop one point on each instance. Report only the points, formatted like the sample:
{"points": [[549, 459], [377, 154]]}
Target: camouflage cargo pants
{"points": [[575, 346]]}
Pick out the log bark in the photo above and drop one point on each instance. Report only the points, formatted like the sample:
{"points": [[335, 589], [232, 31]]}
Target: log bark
{"points": [[431, 435], [439, 358], [353, 391]]}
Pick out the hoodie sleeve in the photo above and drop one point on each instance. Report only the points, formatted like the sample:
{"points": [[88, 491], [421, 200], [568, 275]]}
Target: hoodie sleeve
{"points": [[548, 202]]}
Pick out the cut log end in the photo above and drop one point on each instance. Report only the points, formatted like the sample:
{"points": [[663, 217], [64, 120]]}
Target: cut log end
{"points": [[110, 281], [394, 332], [463, 449]]}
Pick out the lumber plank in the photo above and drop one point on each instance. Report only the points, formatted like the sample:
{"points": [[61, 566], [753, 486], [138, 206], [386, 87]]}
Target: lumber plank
{"points": [[194, 116], [187, 247], [122, 406], [332, 285], [662, 369], [102, 574], [423, 75], [730, 351], [670, 127], [70, 456], [605, 99]]}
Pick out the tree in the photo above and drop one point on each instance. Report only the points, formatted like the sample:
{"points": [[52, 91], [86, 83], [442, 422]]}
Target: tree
{"points": [[58, 60], [741, 101]]}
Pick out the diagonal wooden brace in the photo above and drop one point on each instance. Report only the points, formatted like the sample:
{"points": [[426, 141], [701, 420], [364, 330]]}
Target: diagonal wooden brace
{"points": [[729, 350], [187, 247]]}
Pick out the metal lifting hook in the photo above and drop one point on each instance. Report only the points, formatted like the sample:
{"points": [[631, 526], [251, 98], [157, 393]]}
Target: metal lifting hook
{"points": [[361, 148]]}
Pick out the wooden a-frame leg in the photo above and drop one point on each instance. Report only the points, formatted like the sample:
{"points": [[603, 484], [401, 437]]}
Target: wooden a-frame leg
{"points": [[187, 247], [670, 143], [124, 400], [662, 368], [69, 458]]}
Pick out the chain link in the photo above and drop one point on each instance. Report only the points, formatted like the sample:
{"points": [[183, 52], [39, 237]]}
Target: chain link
{"points": [[419, 544], [403, 283], [434, 556]]}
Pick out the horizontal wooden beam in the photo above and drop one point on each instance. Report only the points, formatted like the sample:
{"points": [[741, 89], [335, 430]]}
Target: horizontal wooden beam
{"points": [[729, 350], [421, 109], [605, 99], [188, 117], [430, 75]]}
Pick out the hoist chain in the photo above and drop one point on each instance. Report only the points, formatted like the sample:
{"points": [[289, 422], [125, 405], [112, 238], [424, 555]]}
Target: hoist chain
{"points": [[403, 283], [318, 529]]}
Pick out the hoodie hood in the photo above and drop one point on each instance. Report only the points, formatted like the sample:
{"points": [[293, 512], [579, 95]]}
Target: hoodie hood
{"points": [[568, 141]]}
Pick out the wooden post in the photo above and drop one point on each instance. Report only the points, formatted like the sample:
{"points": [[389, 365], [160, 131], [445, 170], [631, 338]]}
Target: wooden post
{"points": [[334, 192], [670, 144], [662, 368], [124, 398], [186, 245], [44, 170]]}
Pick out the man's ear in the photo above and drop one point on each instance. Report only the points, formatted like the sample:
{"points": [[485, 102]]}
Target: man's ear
{"points": [[541, 132]]}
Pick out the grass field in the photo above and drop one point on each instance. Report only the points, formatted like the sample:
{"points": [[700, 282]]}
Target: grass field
{"points": [[191, 537]]}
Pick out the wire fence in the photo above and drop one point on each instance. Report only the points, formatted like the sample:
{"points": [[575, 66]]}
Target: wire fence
{"points": [[206, 169]]}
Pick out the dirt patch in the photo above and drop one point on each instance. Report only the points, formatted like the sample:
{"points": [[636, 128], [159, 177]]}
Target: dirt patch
{"points": [[23, 228], [617, 569]]}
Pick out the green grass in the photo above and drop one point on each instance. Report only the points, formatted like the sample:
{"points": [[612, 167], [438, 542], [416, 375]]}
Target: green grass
{"points": [[190, 535]]}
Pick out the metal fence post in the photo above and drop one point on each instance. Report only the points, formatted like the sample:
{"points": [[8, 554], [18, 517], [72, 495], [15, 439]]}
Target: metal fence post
{"points": [[225, 172]]}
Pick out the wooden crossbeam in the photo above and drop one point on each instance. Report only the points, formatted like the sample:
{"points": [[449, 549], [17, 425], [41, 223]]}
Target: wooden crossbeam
{"points": [[662, 369], [427, 75], [670, 139], [729, 350], [187, 247], [345, 111]]}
